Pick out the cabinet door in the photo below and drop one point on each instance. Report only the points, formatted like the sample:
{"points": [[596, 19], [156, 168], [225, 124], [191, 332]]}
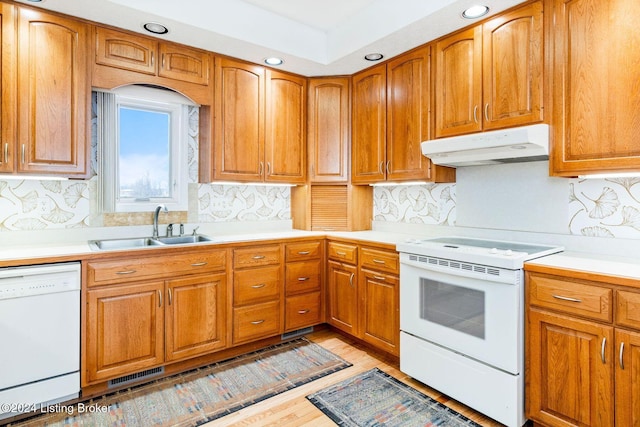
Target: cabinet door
{"points": [[570, 371], [286, 139], [458, 83], [184, 64], [239, 121], [126, 51], [328, 129], [195, 316], [381, 317], [343, 297], [125, 330], [512, 68], [7, 88], [55, 94], [368, 134], [408, 99], [596, 111], [627, 378]]}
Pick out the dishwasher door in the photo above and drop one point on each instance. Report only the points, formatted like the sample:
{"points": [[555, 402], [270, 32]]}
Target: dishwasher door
{"points": [[40, 334]]}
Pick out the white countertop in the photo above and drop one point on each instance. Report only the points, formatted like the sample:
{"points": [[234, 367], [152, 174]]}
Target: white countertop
{"points": [[592, 263]]}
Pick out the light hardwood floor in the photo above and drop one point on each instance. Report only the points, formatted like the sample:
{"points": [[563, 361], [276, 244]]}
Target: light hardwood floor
{"points": [[293, 409]]}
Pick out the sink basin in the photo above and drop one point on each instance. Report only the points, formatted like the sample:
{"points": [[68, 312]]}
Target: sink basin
{"points": [[128, 243], [140, 242], [181, 240]]}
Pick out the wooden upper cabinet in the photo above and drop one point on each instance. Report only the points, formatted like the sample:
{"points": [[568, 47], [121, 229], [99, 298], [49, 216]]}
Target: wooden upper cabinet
{"points": [[328, 129], [126, 51], [512, 49], [408, 99], [7, 88], [148, 56], [596, 110], [239, 126], [490, 76], [458, 83], [286, 117], [369, 118], [55, 94]]}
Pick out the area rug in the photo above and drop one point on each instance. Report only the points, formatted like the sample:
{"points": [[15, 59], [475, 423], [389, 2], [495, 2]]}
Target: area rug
{"points": [[374, 398], [196, 397]]}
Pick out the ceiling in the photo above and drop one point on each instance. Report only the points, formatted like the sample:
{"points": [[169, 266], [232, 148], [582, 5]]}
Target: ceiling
{"points": [[328, 37]]}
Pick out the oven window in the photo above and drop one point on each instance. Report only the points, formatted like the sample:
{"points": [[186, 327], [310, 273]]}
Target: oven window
{"points": [[453, 307]]}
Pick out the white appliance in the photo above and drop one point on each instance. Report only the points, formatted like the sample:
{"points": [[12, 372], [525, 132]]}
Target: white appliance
{"points": [[521, 144], [462, 320], [40, 335]]}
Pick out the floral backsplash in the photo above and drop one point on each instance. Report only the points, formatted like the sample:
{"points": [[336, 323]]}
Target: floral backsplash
{"points": [[224, 203], [416, 204], [605, 208]]}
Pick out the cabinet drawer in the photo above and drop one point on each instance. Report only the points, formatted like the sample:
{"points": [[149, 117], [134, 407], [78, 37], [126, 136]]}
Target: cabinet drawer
{"points": [[256, 321], [303, 310], [303, 277], [256, 256], [628, 309], [302, 251], [343, 252], [181, 63], [131, 269], [255, 285], [379, 260], [574, 297]]}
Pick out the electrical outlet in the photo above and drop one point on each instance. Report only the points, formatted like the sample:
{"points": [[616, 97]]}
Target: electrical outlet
{"points": [[44, 205]]}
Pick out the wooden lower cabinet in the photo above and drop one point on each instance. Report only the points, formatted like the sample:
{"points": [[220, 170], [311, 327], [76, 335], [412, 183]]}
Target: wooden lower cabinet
{"points": [[571, 385], [381, 315], [303, 310], [125, 329], [342, 296], [582, 351], [363, 297], [256, 321], [195, 316]]}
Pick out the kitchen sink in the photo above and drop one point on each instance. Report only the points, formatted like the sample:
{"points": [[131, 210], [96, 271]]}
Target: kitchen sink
{"points": [[181, 240], [140, 242]]}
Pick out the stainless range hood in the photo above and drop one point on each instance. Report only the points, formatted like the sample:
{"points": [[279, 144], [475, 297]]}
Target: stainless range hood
{"points": [[521, 144]]}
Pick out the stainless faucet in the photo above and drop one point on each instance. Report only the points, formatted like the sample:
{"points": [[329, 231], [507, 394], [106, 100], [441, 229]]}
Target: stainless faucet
{"points": [[155, 219]]}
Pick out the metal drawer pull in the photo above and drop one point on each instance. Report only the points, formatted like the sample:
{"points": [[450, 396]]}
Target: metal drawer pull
{"points": [[621, 355], [127, 272], [486, 112], [341, 253], [303, 311], [258, 257], [379, 278], [351, 279], [304, 253], [303, 279], [475, 114], [199, 264], [604, 343], [567, 298], [378, 261], [6, 152], [261, 285], [170, 297], [159, 298], [257, 322], [22, 154]]}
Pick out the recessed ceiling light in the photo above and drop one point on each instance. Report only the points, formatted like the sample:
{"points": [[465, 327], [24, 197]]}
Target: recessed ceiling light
{"points": [[155, 28], [273, 61], [35, 1], [373, 56], [475, 12]]}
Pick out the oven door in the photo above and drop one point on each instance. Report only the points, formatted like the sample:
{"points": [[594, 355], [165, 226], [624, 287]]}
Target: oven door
{"points": [[478, 318]]}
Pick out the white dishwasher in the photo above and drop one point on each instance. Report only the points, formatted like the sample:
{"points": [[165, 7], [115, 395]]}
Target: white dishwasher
{"points": [[39, 336]]}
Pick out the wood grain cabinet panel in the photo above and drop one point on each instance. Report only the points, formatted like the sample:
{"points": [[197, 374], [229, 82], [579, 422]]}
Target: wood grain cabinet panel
{"points": [[491, 76], [286, 131], [125, 329], [256, 321], [195, 316], [342, 305], [596, 110], [303, 310], [301, 277], [55, 94], [256, 285], [8, 146], [182, 63], [126, 51], [381, 310], [328, 129], [627, 378]]}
